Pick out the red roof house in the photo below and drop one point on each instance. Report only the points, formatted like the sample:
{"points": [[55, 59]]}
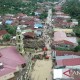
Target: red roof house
{"points": [[69, 62], [2, 32], [29, 35], [60, 38], [11, 60], [63, 53]]}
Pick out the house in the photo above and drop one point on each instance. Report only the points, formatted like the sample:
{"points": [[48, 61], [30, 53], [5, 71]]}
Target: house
{"points": [[11, 61], [20, 16], [60, 14], [60, 39], [38, 32], [63, 30], [37, 13], [74, 22], [8, 16], [29, 21], [13, 22], [9, 22], [29, 35], [57, 8], [69, 60], [63, 53], [62, 22], [66, 62], [38, 25], [2, 33]]}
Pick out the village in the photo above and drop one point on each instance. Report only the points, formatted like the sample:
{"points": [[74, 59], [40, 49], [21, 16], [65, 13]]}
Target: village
{"points": [[39, 47]]}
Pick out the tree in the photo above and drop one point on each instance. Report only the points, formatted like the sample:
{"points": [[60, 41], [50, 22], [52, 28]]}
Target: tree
{"points": [[1, 41], [7, 5], [6, 37], [43, 15], [53, 10], [11, 29], [72, 7], [77, 31], [77, 48]]}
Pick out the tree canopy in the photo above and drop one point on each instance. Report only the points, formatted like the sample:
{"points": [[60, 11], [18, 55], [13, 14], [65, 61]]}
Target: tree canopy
{"points": [[43, 15], [17, 6], [77, 48], [77, 31], [6, 37], [72, 7], [11, 29]]}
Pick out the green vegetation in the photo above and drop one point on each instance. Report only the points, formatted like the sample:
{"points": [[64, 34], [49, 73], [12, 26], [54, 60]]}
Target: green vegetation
{"points": [[43, 15], [41, 1], [1, 41], [77, 48], [6, 37], [18, 6], [64, 49], [10, 6], [72, 7], [13, 7], [11, 29], [77, 31], [79, 41]]}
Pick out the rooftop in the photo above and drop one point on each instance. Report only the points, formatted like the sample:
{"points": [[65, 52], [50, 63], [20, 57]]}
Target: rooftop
{"points": [[2, 32], [29, 34], [68, 62], [38, 25], [10, 58], [60, 36], [63, 53], [67, 57]]}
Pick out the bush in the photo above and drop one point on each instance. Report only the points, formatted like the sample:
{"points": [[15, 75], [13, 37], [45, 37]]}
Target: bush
{"points": [[6, 37], [77, 48]]}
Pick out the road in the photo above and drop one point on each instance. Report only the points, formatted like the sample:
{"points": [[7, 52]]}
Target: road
{"points": [[42, 70]]}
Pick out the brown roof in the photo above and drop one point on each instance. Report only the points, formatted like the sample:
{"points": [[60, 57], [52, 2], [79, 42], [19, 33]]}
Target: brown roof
{"points": [[2, 32], [68, 42], [63, 42], [29, 34], [21, 14], [62, 53]]}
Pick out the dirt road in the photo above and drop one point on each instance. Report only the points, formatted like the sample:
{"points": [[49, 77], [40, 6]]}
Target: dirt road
{"points": [[42, 70]]}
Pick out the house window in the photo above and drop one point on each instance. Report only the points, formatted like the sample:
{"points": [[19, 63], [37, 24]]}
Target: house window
{"points": [[19, 37]]}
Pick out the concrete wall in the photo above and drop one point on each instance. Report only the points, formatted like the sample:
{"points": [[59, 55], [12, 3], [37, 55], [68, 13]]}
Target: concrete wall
{"points": [[7, 76]]}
